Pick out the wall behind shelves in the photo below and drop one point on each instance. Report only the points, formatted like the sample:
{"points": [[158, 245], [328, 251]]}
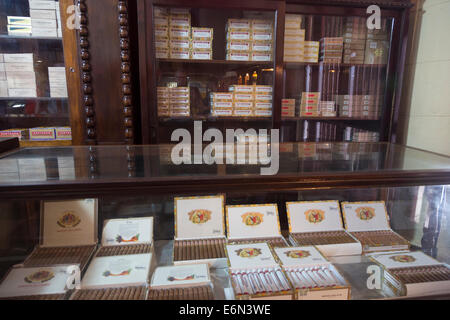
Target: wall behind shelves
{"points": [[426, 97]]}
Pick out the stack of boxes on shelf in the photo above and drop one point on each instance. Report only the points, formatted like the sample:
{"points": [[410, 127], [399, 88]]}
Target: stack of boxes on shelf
{"points": [[175, 39], [358, 106], [249, 40], [359, 135], [331, 49], [58, 83], [377, 45], [294, 39], [17, 74], [354, 40], [309, 106], [311, 51], [19, 26], [288, 108], [174, 102], [244, 101], [327, 108]]}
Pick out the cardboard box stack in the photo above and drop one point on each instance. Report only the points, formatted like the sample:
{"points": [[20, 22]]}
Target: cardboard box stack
{"points": [[174, 102], [354, 40], [245, 101], [310, 104], [18, 74], [311, 51], [288, 108], [358, 106], [249, 40], [19, 26], [327, 108], [377, 45], [175, 39], [45, 18], [58, 83], [331, 49], [294, 39]]}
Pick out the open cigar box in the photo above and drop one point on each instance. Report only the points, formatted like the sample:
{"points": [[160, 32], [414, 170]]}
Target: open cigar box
{"points": [[122, 265], [413, 274], [184, 282], [254, 223], [200, 231], [115, 277], [312, 275], [68, 233], [42, 283], [369, 223], [319, 223], [255, 274]]}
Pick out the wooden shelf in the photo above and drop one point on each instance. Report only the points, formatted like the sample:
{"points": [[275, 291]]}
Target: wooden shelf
{"points": [[56, 143], [327, 119], [228, 62], [18, 37], [32, 98], [213, 118], [295, 65]]}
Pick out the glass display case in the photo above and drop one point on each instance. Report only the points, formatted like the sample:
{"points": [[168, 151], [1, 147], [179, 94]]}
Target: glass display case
{"points": [[130, 182], [34, 100]]}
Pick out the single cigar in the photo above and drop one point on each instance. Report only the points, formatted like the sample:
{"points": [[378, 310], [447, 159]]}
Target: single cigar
{"points": [[255, 280], [283, 280], [294, 279], [310, 280], [246, 284], [269, 280], [305, 282], [330, 275], [275, 280], [262, 280], [237, 288]]}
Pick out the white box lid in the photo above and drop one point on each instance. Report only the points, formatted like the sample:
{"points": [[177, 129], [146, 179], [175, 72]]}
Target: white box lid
{"points": [[365, 216], [405, 260], [250, 256], [127, 231], [314, 216], [253, 221], [117, 271], [69, 223], [199, 217], [34, 281], [300, 256], [181, 276]]}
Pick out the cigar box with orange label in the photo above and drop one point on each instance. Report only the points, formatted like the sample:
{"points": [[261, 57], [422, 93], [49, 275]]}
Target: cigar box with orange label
{"points": [[119, 277], [37, 283], [413, 274], [319, 223], [312, 276], [68, 233], [200, 231], [254, 223], [255, 273], [185, 282], [369, 223]]}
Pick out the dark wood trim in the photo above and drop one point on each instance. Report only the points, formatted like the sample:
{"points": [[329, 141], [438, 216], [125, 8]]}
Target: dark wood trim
{"points": [[8, 144], [359, 3]]}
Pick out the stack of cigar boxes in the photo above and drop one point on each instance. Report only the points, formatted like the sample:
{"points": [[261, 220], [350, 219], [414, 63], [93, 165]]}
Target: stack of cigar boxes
{"points": [[331, 49], [37, 283], [369, 223], [354, 40], [68, 233], [319, 223], [311, 54], [58, 83], [312, 276], [222, 103], [19, 26], [358, 106], [327, 108], [122, 265], [254, 223], [174, 102], [249, 40], [309, 106], [18, 74], [186, 282], [377, 44], [200, 231], [294, 38], [414, 274], [255, 274], [288, 107]]}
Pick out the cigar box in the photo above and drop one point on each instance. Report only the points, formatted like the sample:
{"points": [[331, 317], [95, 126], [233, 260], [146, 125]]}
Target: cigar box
{"points": [[179, 33], [255, 273], [119, 277], [413, 274], [201, 44], [42, 134], [369, 223], [238, 55], [161, 21], [242, 89], [239, 24], [293, 21], [222, 112], [254, 223], [162, 43], [199, 231], [176, 53], [162, 53], [180, 21], [312, 276], [263, 89], [261, 46], [180, 44], [21, 21], [186, 282], [239, 45], [63, 133], [258, 24], [238, 34], [262, 112], [19, 30], [261, 56], [42, 4], [202, 33], [201, 54], [161, 32], [42, 14], [319, 223], [261, 35], [68, 233], [44, 283], [260, 105], [221, 96]]}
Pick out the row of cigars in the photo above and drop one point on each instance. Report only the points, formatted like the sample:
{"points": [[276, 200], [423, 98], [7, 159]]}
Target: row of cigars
{"points": [[261, 263]]}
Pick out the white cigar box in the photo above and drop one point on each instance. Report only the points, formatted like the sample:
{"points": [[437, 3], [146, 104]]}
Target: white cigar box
{"points": [[312, 221], [21, 21], [247, 223], [69, 225], [42, 14], [35, 283], [25, 92], [43, 24], [312, 275], [19, 30], [63, 133], [199, 221], [43, 4], [369, 223], [58, 92], [19, 67], [185, 282], [21, 80], [255, 273], [413, 274], [18, 58], [45, 32]]}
